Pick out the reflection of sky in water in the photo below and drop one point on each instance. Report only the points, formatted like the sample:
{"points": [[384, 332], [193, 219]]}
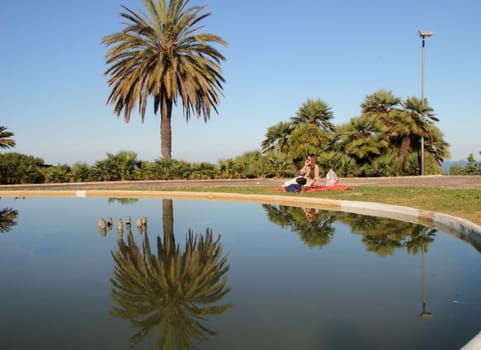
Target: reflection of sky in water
{"points": [[55, 269]]}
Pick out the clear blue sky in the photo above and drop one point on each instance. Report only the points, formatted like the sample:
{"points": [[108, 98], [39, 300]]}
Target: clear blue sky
{"points": [[53, 91]]}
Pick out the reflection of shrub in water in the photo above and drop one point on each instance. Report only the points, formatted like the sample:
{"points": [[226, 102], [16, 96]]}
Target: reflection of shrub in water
{"points": [[7, 219], [173, 291], [123, 201], [383, 236]]}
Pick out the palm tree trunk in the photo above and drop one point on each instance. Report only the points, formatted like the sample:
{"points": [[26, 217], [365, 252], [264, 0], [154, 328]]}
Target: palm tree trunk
{"points": [[403, 151], [166, 128], [168, 224]]}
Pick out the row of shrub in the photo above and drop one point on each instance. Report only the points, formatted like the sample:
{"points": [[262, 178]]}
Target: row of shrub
{"points": [[17, 168]]}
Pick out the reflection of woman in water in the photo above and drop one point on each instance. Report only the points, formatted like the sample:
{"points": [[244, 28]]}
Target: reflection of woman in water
{"points": [[311, 215]]}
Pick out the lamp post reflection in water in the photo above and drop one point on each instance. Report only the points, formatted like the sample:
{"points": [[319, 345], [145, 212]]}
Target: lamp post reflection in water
{"points": [[424, 314]]}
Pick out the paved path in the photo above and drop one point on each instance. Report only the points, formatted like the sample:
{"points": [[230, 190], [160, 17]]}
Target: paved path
{"points": [[428, 181]]}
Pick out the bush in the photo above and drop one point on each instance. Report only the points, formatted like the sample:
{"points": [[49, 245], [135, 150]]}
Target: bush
{"points": [[17, 168]]}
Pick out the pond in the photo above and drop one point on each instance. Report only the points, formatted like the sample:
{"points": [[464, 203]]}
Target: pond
{"points": [[223, 275]]}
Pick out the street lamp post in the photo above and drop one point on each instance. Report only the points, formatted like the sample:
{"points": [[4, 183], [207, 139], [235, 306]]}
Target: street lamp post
{"points": [[423, 34]]}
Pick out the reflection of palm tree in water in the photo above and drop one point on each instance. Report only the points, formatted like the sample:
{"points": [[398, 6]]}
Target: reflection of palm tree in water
{"points": [[174, 290], [316, 231], [7, 219]]}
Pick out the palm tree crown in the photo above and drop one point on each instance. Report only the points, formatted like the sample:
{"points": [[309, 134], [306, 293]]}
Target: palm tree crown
{"points": [[315, 112], [160, 54], [6, 140]]}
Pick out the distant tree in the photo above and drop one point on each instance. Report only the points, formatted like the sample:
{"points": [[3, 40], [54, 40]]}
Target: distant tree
{"points": [[6, 140], [160, 54], [472, 167]]}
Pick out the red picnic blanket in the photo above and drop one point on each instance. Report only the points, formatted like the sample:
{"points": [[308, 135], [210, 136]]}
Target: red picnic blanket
{"points": [[319, 188]]}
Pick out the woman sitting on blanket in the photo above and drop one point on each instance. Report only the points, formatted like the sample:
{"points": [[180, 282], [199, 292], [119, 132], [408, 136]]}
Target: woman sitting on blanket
{"points": [[309, 176], [310, 171]]}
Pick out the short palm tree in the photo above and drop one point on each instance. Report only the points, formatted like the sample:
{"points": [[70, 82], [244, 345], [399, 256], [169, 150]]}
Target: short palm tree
{"points": [[160, 54], [380, 104], [277, 137], [362, 138], [315, 112], [6, 140], [421, 114]]}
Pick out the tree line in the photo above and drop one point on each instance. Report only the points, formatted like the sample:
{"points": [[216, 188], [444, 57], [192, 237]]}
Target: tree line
{"points": [[383, 141]]}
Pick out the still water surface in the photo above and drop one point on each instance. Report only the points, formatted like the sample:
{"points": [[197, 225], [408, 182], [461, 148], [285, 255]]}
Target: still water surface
{"points": [[249, 276]]}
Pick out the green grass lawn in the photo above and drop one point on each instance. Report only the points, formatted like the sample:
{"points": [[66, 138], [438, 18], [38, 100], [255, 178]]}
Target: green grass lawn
{"points": [[464, 203]]}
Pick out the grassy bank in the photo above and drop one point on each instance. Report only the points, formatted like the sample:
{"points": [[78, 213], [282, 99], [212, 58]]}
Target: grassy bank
{"points": [[464, 203]]}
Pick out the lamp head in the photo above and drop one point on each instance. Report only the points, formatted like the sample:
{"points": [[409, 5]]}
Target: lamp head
{"points": [[425, 33]]}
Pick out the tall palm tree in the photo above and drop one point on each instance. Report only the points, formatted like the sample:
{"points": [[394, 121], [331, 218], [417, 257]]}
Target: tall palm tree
{"points": [[6, 140], [160, 54]]}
